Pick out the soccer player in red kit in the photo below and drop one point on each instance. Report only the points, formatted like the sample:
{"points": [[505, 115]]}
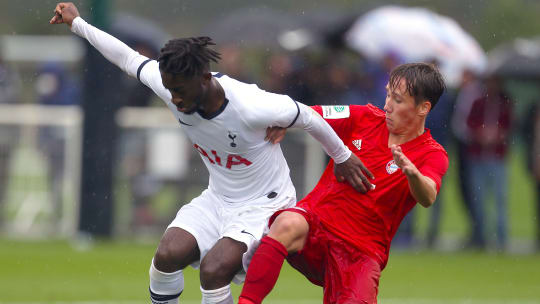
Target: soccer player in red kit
{"points": [[337, 237]]}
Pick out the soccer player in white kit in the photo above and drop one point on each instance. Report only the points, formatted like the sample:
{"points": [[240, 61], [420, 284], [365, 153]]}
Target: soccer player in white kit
{"points": [[226, 120]]}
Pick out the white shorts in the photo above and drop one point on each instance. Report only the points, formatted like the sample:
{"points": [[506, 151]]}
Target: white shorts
{"points": [[209, 218]]}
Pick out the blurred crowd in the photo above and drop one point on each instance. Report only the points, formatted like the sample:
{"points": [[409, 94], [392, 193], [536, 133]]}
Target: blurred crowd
{"points": [[475, 121]]}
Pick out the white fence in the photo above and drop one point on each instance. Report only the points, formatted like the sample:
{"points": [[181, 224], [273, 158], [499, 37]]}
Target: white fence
{"points": [[40, 169]]}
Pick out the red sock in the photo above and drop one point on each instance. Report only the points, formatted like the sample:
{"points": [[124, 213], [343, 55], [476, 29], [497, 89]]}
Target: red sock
{"points": [[263, 270]]}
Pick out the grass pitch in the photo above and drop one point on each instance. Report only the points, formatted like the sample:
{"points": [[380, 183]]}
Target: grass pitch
{"points": [[113, 272]]}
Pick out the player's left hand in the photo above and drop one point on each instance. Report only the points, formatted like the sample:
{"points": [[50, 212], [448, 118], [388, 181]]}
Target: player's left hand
{"points": [[275, 134], [355, 173], [406, 166]]}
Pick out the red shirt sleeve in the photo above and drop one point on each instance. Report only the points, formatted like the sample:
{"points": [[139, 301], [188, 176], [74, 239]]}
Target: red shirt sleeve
{"points": [[343, 126], [435, 167]]}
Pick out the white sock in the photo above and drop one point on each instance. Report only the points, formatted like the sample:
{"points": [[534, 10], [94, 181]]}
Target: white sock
{"points": [[217, 296], [165, 288]]}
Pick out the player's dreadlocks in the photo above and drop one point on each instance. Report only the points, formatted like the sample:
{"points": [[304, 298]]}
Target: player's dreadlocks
{"points": [[187, 56]]}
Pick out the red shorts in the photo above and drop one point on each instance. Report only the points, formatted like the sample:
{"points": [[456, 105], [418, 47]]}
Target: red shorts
{"points": [[346, 274]]}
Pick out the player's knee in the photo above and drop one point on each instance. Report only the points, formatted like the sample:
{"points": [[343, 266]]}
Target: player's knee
{"points": [[164, 258], [177, 249], [288, 223], [217, 271], [168, 257], [290, 229]]}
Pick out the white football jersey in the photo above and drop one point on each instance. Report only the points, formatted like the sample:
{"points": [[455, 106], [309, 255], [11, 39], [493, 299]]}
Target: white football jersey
{"points": [[242, 165]]}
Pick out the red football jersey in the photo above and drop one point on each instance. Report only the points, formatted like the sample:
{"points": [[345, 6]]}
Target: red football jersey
{"points": [[369, 221]]}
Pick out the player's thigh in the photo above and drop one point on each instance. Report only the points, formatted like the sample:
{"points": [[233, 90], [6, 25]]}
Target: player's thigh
{"points": [[311, 260], [223, 261], [290, 229], [176, 250], [357, 282]]}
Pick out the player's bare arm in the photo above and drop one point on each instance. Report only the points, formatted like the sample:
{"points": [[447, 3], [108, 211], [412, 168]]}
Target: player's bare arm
{"points": [[423, 188], [64, 12], [352, 170]]}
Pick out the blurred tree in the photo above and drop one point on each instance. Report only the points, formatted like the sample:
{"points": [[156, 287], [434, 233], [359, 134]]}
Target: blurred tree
{"points": [[503, 20]]}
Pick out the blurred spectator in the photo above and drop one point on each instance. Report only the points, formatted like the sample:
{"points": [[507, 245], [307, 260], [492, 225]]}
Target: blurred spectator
{"points": [[469, 91], [380, 73], [334, 81], [233, 61], [55, 87], [438, 122], [489, 125], [292, 73], [311, 85], [343, 80], [279, 70], [531, 134], [362, 84], [10, 86]]}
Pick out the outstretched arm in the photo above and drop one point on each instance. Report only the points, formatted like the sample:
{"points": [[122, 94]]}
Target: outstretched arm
{"points": [[111, 48]]}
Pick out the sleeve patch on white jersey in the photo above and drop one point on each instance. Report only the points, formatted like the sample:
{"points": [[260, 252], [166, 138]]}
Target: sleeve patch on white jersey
{"points": [[335, 112]]}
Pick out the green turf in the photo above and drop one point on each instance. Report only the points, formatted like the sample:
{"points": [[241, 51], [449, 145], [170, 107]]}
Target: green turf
{"points": [[461, 276], [54, 271]]}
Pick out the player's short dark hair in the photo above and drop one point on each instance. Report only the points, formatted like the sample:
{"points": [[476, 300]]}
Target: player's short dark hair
{"points": [[423, 81], [187, 56]]}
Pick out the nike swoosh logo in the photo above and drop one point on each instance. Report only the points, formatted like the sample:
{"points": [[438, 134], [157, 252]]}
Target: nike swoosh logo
{"points": [[183, 123], [244, 231]]}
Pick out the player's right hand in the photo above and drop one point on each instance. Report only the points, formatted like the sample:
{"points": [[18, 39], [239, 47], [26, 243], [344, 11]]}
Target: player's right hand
{"points": [[275, 134], [65, 12], [355, 173]]}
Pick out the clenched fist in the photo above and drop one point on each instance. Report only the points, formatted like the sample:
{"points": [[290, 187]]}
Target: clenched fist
{"points": [[64, 12]]}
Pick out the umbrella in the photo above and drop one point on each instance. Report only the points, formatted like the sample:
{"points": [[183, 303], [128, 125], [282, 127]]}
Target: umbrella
{"points": [[252, 27], [318, 29], [417, 34], [269, 28], [517, 59], [135, 30]]}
